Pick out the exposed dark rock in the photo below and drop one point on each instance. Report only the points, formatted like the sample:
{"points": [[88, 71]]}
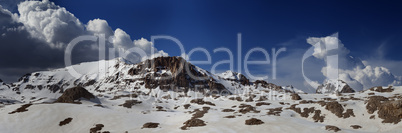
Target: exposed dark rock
{"points": [[37, 74], [75, 93], [25, 78], [23, 108], [29, 87], [186, 106], [318, 117], [199, 114], [250, 99], [160, 108], [128, 95], [193, 123], [150, 125], [335, 108], [295, 96], [40, 87], [53, 88], [275, 111], [391, 111], [98, 105], [374, 103], [343, 99], [134, 71], [262, 103], [306, 101], [380, 89], [98, 127], [355, 126], [130, 103], [184, 75], [254, 121], [245, 108], [201, 102], [236, 98], [90, 82], [265, 84], [228, 110], [65, 121], [347, 89], [244, 80], [333, 128], [305, 113], [230, 116], [348, 113]]}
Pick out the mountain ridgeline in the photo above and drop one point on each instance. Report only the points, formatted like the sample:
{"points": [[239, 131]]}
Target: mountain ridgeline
{"points": [[165, 73]]}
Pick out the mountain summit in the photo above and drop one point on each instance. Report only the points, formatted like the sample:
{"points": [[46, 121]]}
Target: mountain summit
{"points": [[119, 75], [331, 86]]}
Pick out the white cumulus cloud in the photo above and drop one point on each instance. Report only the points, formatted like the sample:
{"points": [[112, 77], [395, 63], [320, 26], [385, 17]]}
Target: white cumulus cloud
{"points": [[35, 36], [353, 71], [50, 22]]}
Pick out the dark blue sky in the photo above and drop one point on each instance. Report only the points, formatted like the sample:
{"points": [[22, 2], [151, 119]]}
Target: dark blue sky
{"points": [[363, 25], [368, 28]]}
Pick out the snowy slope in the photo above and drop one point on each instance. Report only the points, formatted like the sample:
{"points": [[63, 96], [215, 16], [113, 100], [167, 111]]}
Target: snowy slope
{"points": [[119, 119], [131, 95]]}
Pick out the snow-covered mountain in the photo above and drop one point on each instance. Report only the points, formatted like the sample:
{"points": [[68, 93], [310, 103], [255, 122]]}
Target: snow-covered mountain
{"points": [[234, 76], [119, 75], [334, 86], [119, 96]]}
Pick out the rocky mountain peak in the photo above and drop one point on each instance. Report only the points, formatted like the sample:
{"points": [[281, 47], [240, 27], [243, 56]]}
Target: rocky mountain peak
{"points": [[165, 72], [234, 76], [330, 86]]}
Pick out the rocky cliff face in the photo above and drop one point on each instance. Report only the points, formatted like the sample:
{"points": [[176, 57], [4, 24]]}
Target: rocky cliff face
{"points": [[168, 72]]}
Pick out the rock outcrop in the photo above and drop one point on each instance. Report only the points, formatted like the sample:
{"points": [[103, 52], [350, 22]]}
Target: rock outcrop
{"points": [[265, 84], [73, 94], [165, 72]]}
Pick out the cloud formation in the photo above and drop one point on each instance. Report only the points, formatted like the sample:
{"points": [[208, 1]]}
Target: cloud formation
{"points": [[35, 37], [351, 70], [49, 22]]}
